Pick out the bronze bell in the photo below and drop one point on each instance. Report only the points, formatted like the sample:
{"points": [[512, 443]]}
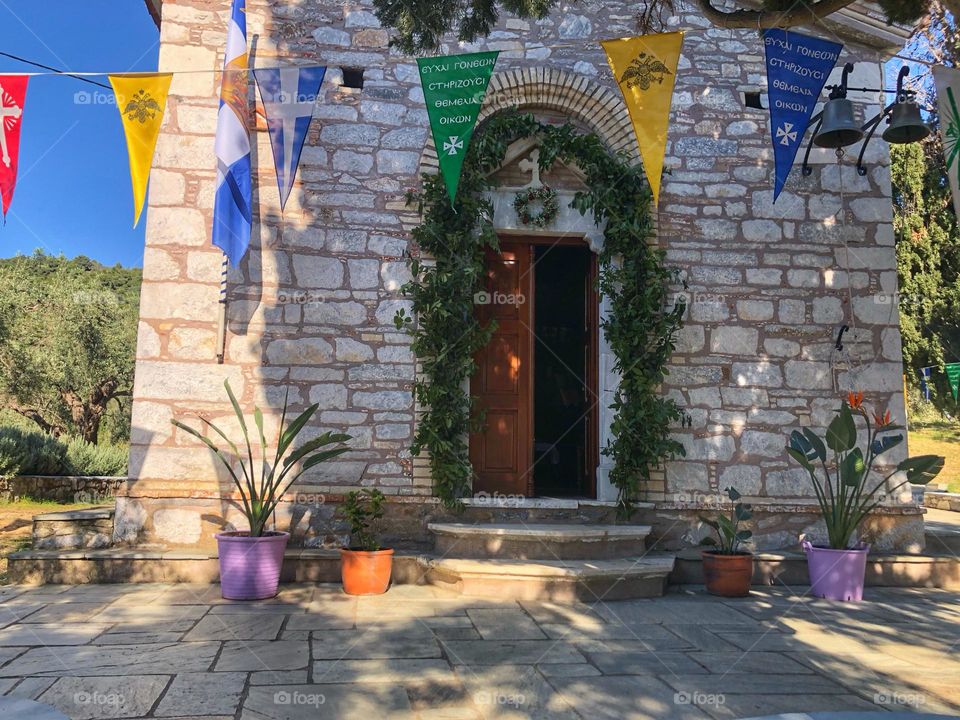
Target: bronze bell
{"points": [[906, 125], [838, 127]]}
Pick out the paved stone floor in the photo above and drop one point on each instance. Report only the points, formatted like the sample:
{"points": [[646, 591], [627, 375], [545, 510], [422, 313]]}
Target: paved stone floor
{"points": [[179, 651]]}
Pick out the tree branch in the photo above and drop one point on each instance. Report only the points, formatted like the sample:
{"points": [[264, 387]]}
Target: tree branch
{"points": [[35, 415], [803, 14]]}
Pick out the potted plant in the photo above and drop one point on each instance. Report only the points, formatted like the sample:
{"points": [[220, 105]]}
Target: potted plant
{"points": [[365, 566], [251, 560], [846, 493], [728, 570]]}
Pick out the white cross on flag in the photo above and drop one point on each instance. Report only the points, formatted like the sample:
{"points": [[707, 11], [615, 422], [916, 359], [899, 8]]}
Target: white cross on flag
{"points": [[13, 92], [288, 95]]}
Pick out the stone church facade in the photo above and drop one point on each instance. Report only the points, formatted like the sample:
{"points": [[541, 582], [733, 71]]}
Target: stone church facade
{"points": [[311, 307]]}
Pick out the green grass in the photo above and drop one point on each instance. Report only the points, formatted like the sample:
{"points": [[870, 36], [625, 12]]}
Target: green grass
{"points": [[27, 504], [939, 438]]}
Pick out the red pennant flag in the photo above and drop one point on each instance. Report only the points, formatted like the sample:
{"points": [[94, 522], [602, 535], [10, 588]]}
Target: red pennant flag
{"points": [[13, 91]]}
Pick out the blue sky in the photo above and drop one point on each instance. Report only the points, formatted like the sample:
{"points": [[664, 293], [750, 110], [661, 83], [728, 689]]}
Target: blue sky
{"points": [[73, 190]]}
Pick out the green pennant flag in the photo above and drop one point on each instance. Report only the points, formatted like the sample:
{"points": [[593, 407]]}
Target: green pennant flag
{"points": [[454, 87], [953, 375]]}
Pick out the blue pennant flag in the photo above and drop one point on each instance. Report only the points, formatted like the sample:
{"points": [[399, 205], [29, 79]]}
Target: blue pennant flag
{"points": [[288, 95], [797, 69]]}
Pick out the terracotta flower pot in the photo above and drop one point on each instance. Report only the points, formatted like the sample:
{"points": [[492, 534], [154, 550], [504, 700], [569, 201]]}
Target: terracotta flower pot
{"points": [[727, 575], [366, 572]]}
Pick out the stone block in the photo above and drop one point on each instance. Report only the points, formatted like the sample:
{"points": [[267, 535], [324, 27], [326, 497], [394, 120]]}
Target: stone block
{"points": [[314, 271], [733, 340], [764, 444], [744, 478], [299, 351], [755, 310], [753, 374], [808, 375]]}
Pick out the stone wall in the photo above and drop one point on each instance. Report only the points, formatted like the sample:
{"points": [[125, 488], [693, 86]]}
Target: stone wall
{"points": [[61, 488], [311, 306]]}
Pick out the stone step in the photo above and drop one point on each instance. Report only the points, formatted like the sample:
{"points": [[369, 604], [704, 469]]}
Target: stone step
{"points": [[72, 529], [943, 540], [539, 541], [554, 580], [782, 567]]}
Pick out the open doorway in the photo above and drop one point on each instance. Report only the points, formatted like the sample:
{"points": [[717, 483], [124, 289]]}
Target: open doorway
{"points": [[536, 379], [561, 389]]}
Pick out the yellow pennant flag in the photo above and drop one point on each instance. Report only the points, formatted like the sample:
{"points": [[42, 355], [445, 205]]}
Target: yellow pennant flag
{"points": [[645, 68], [141, 100]]}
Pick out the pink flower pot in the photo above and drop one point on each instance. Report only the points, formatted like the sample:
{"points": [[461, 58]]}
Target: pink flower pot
{"points": [[250, 566], [837, 574]]}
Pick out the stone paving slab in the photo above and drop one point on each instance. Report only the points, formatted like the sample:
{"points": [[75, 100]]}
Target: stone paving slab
{"points": [[182, 652], [102, 697]]}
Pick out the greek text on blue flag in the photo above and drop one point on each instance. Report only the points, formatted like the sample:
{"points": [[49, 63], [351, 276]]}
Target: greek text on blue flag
{"points": [[797, 69], [288, 95]]}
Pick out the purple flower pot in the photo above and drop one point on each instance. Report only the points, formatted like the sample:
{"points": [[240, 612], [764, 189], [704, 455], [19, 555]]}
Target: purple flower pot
{"points": [[837, 574], [250, 566]]}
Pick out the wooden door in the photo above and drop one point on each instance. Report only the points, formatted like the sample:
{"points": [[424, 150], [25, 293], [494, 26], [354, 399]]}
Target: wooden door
{"points": [[501, 453]]}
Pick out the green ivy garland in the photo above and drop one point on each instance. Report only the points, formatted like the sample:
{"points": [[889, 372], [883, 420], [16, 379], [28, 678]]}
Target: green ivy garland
{"points": [[640, 327], [549, 207]]}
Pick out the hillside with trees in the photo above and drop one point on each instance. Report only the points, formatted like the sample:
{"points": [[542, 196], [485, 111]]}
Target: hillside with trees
{"points": [[67, 347]]}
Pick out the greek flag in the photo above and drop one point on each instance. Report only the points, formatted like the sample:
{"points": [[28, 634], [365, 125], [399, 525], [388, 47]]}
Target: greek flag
{"points": [[231, 209], [288, 94]]}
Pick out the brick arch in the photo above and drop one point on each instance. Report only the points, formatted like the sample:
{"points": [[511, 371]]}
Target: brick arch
{"points": [[599, 108]]}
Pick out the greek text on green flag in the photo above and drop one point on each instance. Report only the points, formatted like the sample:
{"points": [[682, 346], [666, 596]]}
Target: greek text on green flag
{"points": [[454, 87], [953, 375]]}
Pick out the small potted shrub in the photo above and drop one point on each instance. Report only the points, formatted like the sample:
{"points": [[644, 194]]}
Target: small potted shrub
{"points": [[365, 566], [251, 560], [727, 569], [846, 494]]}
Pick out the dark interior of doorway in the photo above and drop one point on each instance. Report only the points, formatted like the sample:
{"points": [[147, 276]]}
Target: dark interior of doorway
{"points": [[560, 397]]}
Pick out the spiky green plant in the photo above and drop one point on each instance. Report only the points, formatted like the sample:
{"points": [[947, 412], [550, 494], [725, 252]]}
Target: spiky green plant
{"points": [[261, 492], [728, 528], [845, 494]]}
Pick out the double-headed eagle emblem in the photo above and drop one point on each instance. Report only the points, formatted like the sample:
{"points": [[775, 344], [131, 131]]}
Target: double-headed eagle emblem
{"points": [[142, 107], [643, 71]]}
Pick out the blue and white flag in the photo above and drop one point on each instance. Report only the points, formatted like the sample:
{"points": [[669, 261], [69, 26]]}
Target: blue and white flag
{"points": [[231, 209], [288, 95], [797, 69]]}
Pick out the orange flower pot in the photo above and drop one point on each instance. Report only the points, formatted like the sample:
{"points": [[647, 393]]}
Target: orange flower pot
{"points": [[366, 572], [727, 575]]}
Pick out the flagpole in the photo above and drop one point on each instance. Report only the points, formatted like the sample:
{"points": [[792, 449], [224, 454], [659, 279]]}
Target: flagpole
{"points": [[222, 313]]}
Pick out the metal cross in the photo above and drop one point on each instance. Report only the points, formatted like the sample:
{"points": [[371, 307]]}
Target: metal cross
{"points": [[6, 111], [532, 165]]}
